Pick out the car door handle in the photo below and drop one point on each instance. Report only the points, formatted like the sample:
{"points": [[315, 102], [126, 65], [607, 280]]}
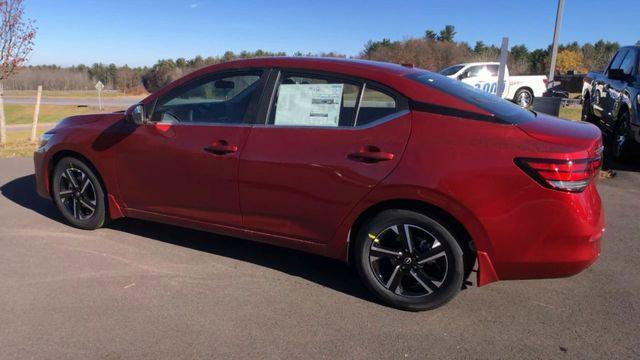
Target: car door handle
{"points": [[371, 154], [221, 147]]}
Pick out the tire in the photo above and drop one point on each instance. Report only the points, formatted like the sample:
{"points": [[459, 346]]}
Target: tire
{"points": [[78, 194], [432, 276], [587, 114], [620, 139], [524, 98]]}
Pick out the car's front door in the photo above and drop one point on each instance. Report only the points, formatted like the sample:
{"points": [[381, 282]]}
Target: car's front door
{"points": [[483, 77], [603, 101], [617, 91], [184, 162], [326, 142]]}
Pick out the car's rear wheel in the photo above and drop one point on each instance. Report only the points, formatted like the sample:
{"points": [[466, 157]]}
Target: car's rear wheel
{"points": [[409, 260], [78, 194], [524, 98]]}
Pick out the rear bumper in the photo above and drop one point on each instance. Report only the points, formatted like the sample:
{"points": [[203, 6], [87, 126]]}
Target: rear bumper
{"points": [[42, 173], [561, 238]]}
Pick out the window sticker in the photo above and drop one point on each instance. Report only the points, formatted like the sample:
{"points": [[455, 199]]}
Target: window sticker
{"points": [[309, 104]]}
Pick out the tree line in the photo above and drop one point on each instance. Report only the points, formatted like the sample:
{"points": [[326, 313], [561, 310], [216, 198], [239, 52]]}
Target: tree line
{"points": [[436, 50], [433, 51]]}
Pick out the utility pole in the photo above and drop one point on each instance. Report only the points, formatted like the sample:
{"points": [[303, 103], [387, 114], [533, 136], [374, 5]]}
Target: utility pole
{"points": [[504, 51], [556, 35]]}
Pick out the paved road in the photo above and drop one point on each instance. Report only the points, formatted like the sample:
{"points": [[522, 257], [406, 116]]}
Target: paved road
{"points": [[122, 102], [144, 290]]}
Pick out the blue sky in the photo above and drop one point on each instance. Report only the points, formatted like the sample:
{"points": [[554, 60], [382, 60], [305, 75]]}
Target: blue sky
{"points": [[138, 32]]}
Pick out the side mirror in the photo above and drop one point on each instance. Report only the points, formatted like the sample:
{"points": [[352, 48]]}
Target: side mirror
{"points": [[136, 114], [462, 76], [617, 74]]}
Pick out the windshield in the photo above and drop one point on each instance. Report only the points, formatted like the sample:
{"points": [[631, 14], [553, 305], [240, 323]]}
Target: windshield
{"points": [[451, 70], [502, 109]]}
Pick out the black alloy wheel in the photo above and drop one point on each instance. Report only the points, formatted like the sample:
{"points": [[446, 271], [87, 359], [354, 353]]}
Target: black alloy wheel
{"points": [[410, 261], [78, 194]]}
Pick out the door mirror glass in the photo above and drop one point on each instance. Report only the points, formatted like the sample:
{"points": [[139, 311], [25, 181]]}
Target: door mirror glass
{"points": [[137, 115]]}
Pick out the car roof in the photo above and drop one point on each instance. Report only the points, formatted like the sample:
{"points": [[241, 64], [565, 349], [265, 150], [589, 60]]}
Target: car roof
{"points": [[318, 63], [373, 70]]}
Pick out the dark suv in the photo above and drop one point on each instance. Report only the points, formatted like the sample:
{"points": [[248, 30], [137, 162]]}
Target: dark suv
{"points": [[611, 100]]}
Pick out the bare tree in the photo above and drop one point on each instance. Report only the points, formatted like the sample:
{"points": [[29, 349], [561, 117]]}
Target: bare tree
{"points": [[16, 42]]}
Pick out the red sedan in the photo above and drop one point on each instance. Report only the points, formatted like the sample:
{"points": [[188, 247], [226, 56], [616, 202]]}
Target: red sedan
{"points": [[413, 178]]}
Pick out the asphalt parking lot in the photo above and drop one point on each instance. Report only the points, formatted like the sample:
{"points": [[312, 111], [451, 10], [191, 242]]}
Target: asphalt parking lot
{"points": [[145, 290]]}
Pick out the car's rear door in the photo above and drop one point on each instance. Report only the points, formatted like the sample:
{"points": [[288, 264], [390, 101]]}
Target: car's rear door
{"points": [[325, 142], [184, 163]]}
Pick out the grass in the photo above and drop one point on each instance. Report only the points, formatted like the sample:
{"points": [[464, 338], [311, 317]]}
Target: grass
{"points": [[68, 93], [23, 113], [18, 145], [571, 113]]}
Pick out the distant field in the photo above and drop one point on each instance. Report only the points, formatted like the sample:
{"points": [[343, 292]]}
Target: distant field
{"points": [[23, 114], [68, 94]]}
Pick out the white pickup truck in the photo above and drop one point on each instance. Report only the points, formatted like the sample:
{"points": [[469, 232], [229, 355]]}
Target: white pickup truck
{"points": [[484, 75]]}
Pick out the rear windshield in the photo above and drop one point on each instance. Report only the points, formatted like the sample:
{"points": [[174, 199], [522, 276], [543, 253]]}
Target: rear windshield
{"points": [[502, 109]]}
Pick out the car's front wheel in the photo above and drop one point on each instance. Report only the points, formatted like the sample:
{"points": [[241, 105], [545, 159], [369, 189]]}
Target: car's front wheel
{"points": [[409, 260], [78, 194]]}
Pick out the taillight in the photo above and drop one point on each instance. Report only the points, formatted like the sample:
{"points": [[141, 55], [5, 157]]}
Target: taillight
{"points": [[564, 175], [545, 80]]}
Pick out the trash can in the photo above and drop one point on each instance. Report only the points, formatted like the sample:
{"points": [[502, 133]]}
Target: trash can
{"points": [[547, 105]]}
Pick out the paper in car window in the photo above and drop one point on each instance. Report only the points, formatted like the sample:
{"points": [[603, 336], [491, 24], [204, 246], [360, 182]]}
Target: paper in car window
{"points": [[309, 104]]}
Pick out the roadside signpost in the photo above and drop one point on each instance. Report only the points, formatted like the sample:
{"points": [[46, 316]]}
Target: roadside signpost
{"points": [[99, 87], [36, 113]]}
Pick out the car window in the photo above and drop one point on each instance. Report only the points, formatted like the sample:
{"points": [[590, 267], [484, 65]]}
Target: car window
{"points": [[222, 99], [314, 100], [628, 63], [375, 105], [492, 70], [451, 70], [474, 71], [617, 60]]}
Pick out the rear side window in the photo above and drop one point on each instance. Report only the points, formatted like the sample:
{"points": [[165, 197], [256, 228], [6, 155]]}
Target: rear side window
{"points": [[375, 105], [314, 100], [503, 110], [322, 100]]}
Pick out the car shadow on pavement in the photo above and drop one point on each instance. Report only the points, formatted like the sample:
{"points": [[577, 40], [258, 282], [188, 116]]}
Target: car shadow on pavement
{"points": [[323, 271], [22, 191]]}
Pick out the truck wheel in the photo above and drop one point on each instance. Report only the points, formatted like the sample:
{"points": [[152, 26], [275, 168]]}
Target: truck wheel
{"points": [[620, 141], [587, 114], [524, 98]]}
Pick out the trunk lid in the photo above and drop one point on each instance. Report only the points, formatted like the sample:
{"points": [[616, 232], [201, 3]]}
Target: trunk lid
{"points": [[574, 134]]}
